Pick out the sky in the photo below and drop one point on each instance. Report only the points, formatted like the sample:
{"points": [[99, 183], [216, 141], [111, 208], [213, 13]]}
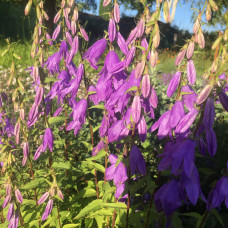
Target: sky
{"points": [[182, 18]]}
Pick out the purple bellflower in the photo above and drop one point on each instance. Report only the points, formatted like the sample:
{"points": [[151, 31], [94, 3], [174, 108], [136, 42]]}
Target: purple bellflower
{"points": [[94, 53], [137, 162], [48, 210], [48, 140]]}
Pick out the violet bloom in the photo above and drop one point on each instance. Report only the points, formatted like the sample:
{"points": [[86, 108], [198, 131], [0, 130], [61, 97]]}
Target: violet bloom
{"points": [[14, 220], [136, 109], [177, 113], [209, 113], [218, 194], [79, 115], [10, 211], [48, 140], [164, 202], [94, 53], [211, 141], [47, 210], [189, 99], [137, 162], [117, 173], [142, 129], [53, 63]]}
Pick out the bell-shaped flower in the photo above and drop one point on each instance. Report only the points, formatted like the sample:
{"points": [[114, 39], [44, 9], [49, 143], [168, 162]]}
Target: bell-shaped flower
{"points": [[190, 98], [53, 63], [98, 147], [218, 194], [164, 202], [209, 113], [48, 140], [48, 209], [137, 162], [211, 141], [177, 113], [94, 53]]}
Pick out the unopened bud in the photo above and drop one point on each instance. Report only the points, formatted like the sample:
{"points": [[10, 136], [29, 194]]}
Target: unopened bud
{"points": [[190, 49], [153, 58], [28, 7], [75, 14], [196, 25], [204, 94], [225, 37], [216, 43], [213, 5], [166, 13], [116, 13], [201, 40], [180, 57], [208, 12], [106, 2], [156, 38], [57, 16], [139, 69]]}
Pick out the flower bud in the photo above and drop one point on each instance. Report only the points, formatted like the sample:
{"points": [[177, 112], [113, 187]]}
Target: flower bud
{"points": [[225, 37], [216, 43], [112, 30], [66, 12], [10, 211], [224, 100], [196, 25], [142, 129], [180, 57], [139, 69], [145, 86], [153, 58], [70, 2], [106, 2], [166, 13], [39, 95], [84, 34], [173, 84], [60, 194], [43, 198], [190, 49], [191, 72], [75, 14], [122, 43], [47, 210], [57, 16], [141, 27], [130, 56], [18, 196], [22, 114], [213, 5], [69, 38], [73, 27], [28, 7], [201, 40], [52, 191], [116, 13], [136, 109], [209, 113], [153, 99], [208, 12], [56, 33], [204, 94], [6, 201], [156, 37]]}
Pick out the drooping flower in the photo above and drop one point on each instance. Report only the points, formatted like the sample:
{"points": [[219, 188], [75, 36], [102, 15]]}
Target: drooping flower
{"points": [[48, 140], [164, 202], [94, 53], [218, 194], [18, 196], [47, 210], [137, 162]]}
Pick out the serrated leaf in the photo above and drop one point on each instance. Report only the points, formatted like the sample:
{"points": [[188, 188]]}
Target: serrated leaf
{"points": [[71, 225], [99, 155], [101, 106], [115, 205], [56, 119], [93, 206], [133, 88], [49, 220], [33, 184], [61, 165], [89, 192]]}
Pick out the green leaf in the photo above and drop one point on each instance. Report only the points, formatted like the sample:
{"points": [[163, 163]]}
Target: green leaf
{"points": [[100, 221], [218, 216], [99, 155], [141, 47], [193, 214], [61, 165], [100, 106], [96, 128], [115, 205], [133, 88], [93, 206], [71, 225], [97, 166], [89, 192], [91, 92], [33, 184], [56, 119], [50, 219], [51, 80]]}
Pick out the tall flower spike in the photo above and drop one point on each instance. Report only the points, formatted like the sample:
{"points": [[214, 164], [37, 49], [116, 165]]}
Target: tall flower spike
{"points": [[173, 84]]}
